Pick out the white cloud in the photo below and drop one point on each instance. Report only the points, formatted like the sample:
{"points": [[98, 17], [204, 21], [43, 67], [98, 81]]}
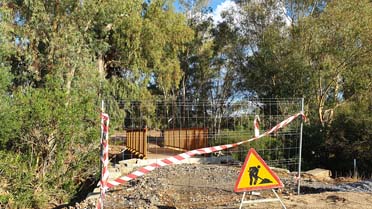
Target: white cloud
{"points": [[224, 6], [231, 6]]}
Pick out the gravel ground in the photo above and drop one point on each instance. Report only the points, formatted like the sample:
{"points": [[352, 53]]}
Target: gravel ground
{"points": [[179, 186], [363, 186], [204, 186]]}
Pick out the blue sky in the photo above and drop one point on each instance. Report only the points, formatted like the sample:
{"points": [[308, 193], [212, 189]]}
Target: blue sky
{"points": [[218, 6], [212, 3]]}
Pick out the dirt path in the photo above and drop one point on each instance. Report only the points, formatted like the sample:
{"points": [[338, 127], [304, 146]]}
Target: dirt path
{"points": [[200, 186], [325, 200], [210, 186]]}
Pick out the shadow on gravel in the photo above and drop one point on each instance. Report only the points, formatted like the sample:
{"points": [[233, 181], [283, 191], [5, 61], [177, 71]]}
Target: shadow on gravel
{"points": [[312, 190]]}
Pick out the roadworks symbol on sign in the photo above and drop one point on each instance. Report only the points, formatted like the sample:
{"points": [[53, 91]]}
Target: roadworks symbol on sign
{"points": [[256, 175]]}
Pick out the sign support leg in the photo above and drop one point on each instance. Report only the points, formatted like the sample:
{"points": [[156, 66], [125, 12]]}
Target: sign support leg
{"points": [[277, 199], [280, 200], [241, 202]]}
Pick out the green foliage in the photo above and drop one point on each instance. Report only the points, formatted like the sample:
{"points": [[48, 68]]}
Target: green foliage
{"points": [[140, 43], [239, 153], [50, 88], [209, 73], [324, 55], [191, 7], [349, 138], [321, 57], [196, 62], [49, 105], [51, 146], [314, 153], [171, 34], [20, 183]]}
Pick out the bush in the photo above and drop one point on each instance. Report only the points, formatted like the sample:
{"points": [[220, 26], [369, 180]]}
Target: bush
{"points": [[51, 146]]}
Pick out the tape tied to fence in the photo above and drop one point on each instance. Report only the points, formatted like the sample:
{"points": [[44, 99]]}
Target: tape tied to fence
{"points": [[256, 125], [178, 158]]}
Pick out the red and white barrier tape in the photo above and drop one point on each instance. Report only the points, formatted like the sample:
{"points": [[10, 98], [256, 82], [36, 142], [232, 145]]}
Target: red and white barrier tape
{"points": [[256, 124], [178, 158], [104, 158], [99, 203]]}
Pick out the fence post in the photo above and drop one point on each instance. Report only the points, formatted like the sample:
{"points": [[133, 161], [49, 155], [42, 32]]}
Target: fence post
{"points": [[145, 141], [300, 149], [355, 169], [101, 149]]}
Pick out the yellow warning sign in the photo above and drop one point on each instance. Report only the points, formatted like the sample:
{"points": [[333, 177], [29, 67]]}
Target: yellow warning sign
{"points": [[256, 175]]}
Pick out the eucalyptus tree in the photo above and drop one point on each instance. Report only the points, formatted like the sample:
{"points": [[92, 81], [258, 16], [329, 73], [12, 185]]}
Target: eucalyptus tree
{"points": [[165, 36], [338, 52], [6, 51], [323, 55], [51, 91], [209, 74], [61, 55], [318, 56], [137, 46], [5, 47], [192, 7]]}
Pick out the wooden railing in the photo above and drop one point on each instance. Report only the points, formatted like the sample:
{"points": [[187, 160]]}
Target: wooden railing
{"points": [[186, 138], [137, 142]]}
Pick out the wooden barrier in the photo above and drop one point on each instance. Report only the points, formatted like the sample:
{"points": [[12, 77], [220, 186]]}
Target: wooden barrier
{"points": [[186, 138], [137, 142]]}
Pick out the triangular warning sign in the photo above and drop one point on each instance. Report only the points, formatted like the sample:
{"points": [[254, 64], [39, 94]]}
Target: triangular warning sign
{"points": [[256, 175]]}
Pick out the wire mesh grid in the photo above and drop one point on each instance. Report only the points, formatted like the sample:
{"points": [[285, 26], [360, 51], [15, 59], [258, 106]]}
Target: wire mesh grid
{"points": [[177, 126]]}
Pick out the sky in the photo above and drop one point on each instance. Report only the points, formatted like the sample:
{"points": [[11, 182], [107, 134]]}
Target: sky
{"points": [[217, 6], [214, 3], [220, 6]]}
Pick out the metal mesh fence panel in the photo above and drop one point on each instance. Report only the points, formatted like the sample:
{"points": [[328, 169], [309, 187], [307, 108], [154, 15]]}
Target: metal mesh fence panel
{"points": [[174, 127]]}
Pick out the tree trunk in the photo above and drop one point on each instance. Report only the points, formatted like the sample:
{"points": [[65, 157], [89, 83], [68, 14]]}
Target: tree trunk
{"points": [[101, 67]]}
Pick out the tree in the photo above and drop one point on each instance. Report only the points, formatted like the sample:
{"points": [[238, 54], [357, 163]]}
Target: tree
{"points": [[53, 83], [6, 51], [297, 9], [209, 74], [323, 56], [196, 62], [318, 59], [191, 7], [350, 137], [49, 103], [5, 48], [338, 53], [137, 46], [172, 33]]}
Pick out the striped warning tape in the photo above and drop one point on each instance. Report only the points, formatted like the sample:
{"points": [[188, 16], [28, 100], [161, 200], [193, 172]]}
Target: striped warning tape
{"points": [[178, 158], [256, 124], [104, 158]]}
